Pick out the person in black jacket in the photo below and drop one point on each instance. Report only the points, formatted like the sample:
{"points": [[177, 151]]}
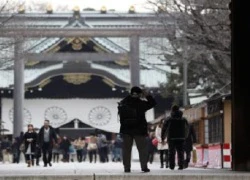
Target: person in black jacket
{"points": [[15, 150], [47, 137], [64, 146], [188, 146], [175, 128], [30, 141], [136, 130]]}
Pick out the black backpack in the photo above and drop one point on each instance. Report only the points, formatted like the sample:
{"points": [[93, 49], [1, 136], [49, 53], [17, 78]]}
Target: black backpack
{"points": [[128, 114]]}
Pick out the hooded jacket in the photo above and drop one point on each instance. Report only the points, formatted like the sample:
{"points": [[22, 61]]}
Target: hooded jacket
{"points": [[142, 107], [175, 127]]}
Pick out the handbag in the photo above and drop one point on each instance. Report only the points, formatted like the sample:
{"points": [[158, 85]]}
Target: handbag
{"points": [[155, 142], [194, 154], [92, 146]]}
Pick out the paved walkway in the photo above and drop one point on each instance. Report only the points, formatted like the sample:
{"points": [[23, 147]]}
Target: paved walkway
{"points": [[110, 171], [92, 168]]}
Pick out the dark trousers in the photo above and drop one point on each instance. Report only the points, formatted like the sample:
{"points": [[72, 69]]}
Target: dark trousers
{"points": [[164, 157], [16, 156], [91, 154], [176, 146], [65, 153], [84, 154], [79, 155], [37, 161], [188, 158], [117, 154], [30, 157], [103, 153], [151, 157], [55, 157], [47, 153], [141, 144]]}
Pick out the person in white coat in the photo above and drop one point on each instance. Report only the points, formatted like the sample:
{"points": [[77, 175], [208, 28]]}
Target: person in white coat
{"points": [[162, 147]]}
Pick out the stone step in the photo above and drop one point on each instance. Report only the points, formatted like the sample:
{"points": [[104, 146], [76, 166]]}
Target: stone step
{"points": [[112, 171]]}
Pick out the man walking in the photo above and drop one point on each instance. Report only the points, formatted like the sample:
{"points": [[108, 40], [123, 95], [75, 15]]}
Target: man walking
{"points": [[132, 111], [175, 128], [47, 136]]}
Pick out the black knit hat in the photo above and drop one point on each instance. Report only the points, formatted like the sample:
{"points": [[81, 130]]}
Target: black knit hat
{"points": [[136, 90], [175, 108]]}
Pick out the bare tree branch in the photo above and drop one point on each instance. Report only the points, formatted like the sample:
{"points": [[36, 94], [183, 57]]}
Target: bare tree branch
{"points": [[201, 36]]}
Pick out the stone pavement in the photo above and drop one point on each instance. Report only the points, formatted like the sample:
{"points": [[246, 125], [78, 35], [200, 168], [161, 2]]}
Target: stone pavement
{"points": [[111, 171]]}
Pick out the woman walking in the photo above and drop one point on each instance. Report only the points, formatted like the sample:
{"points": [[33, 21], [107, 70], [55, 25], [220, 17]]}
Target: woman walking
{"points": [[92, 148], [79, 144], [64, 147], [150, 147], [30, 141], [162, 147]]}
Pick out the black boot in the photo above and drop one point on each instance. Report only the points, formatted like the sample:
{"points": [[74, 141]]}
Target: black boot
{"points": [[37, 161], [185, 164], [146, 170], [167, 165], [161, 159]]}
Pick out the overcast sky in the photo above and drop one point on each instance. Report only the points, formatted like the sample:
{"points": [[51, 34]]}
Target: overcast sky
{"points": [[118, 5]]}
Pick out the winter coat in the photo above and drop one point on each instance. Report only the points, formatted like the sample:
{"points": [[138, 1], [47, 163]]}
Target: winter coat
{"points": [[38, 152], [175, 127], [118, 143], [79, 144], [19, 141], [33, 143], [160, 146], [56, 148], [142, 107], [150, 147], [92, 144], [52, 136], [15, 147], [65, 144], [6, 144], [102, 141], [191, 139], [72, 149]]}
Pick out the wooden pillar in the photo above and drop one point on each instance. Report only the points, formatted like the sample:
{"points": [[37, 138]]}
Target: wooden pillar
{"points": [[240, 87], [18, 89], [134, 61], [185, 82]]}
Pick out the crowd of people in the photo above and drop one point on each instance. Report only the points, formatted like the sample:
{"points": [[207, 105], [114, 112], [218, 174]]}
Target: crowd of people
{"points": [[50, 147], [173, 134]]}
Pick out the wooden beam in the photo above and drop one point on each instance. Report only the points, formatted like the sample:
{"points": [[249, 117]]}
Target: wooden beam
{"points": [[82, 32], [77, 56]]}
